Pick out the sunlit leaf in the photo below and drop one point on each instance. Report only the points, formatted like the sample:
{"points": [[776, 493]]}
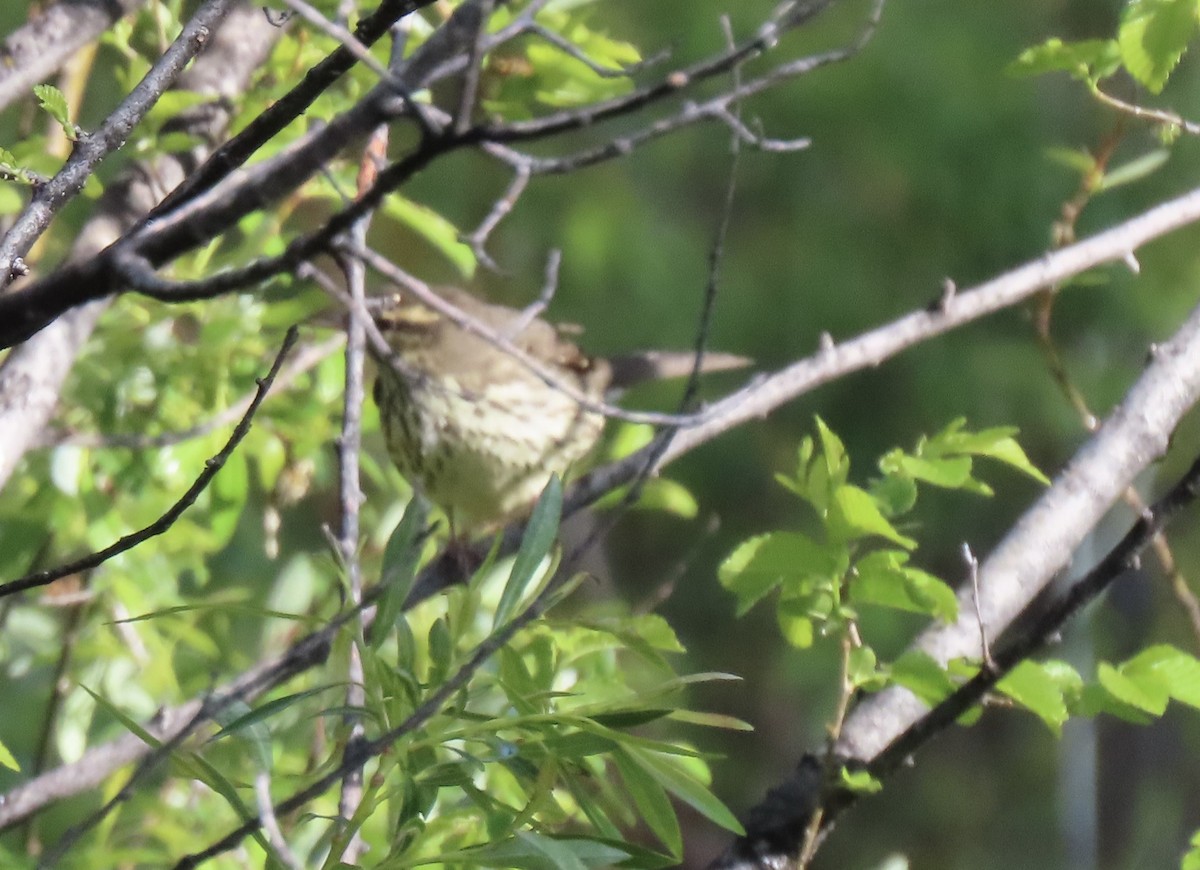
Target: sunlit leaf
{"points": [[854, 514], [540, 535], [759, 565], [1031, 686], [1088, 60], [1153, 37]]}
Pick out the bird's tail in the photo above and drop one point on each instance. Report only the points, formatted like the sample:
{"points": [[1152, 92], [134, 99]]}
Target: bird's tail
{"points": [[652, 365]]}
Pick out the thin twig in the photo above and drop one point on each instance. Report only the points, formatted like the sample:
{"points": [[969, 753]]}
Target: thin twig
{"points": [[164, 522], [473, 71], [287, 108], [363, 55], [92, 148], [499, 638], [132, 262], [764, 845], [537, 307], [973, 574], [426, 295], [351, 497], [503, 206], [270, 824], [1160, 116]]}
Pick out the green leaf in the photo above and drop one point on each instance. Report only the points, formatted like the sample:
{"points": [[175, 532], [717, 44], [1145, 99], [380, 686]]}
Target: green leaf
{"points": [[654, 630], [860, 781], [400, 557], [252, 730], [1153, 36], [862, 670], [199, 768], [685, 787], [1134, 170], [833, 454], [52, 100], [669, 496], [948, 473], [884, 579], [758, 565], [895, 494], [1144, 691], [1002, 447], [533, 851], [854, 514], [441, 650], [1191, 861], [559, 854], [654, 807], [1080, 160], [7, 759], [1038, 690], [1095, 699], [797, 628], [710, 720], [1088, 60], [11, 198], [265, 711], [563, 81], [540, 535], [923, 676], [130, 724], [996, 443], [1177, 671]]}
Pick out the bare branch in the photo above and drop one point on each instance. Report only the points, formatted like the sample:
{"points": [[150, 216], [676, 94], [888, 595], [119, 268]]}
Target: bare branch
{"points": [[1159, 116], [92, 148], [212, 212], [287, 108], [872, 348], [363, 55], [503, 206]]}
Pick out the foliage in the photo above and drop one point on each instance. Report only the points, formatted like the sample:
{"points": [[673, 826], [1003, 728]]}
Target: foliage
{"points": [[573, 744], [573, 735], [860, 557]]}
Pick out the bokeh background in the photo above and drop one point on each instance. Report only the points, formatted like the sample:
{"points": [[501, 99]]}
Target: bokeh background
{"points": [[928, 161]]}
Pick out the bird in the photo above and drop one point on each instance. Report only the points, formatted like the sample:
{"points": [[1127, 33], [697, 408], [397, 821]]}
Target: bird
{"points": [[476, 431]]}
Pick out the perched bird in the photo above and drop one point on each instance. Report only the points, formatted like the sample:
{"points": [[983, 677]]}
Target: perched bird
{"points": [[472, 427]]}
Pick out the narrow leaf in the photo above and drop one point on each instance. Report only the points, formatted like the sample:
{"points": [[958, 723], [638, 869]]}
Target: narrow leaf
{"points": [[687, 788], [400, 558], [540, 535], [651, 800]]}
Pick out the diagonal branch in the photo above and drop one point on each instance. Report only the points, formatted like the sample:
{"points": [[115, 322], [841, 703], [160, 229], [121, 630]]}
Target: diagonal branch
{"points": [[93, 147]]}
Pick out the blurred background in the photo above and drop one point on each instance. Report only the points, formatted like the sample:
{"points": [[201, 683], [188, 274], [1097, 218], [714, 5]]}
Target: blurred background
{"points": [[928, 161]]}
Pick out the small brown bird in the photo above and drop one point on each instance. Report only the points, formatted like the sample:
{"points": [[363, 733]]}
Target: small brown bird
{"points": [[472, 427]]}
